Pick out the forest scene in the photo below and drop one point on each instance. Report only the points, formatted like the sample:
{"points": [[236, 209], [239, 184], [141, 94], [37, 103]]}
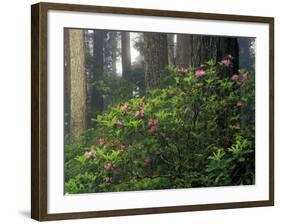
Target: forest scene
{"points": [[148, 111]]}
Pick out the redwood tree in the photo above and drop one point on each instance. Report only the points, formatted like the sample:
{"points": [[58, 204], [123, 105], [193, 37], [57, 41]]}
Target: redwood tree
{"points": [[77, 84], [183, 50], [126, 54], [155, 58]]}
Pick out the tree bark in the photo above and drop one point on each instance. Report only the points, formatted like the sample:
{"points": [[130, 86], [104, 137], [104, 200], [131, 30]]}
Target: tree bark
{"points": [[126, 55], [110, 52], [98, 53], [203, 49], [114, 52], [66, 84], [155, 58], [246, 58], [163, 50], [183, 50], [98, 70], [77, 84], [198, 49], [171, 49]]}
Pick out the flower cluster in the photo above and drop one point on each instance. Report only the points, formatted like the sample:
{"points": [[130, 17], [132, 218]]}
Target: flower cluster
{"points": [[227, 60], [141, 103], [90, 154], [119, 122], [235, 77], [101, 141], [182, 71], [139, 113], [147, 161], [199, 72], [153, 123], [122, 147], [239, 103], [108, 165], [126, 107]]}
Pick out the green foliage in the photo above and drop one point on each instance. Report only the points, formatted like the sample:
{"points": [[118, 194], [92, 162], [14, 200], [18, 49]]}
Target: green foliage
{"points": [[81, 183], [233, 165], [196, 130]]}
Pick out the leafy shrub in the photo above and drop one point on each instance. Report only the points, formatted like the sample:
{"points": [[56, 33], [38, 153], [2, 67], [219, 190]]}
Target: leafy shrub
{"points": [[196, 130]]}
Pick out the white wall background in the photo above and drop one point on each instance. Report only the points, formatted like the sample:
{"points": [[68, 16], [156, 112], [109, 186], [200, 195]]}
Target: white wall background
{"points": [[15, 112]]}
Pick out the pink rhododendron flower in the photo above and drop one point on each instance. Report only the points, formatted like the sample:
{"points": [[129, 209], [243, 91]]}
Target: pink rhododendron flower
{"points": [[139, 113], [199, 73], [141, 104], [229, 56], [235, 77], [122, 147], [226, 61], [108, 179], [91, 154], [153, 122], [101, 141], [239, 104], [112, 142], [153, 129], [202, 66], [245, 76], [107, 165], [147, 161], [126, 107], [182, 71], [87, 155], [119, 122]]}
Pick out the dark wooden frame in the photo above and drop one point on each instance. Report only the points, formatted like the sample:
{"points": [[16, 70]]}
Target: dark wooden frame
{"points": [[39, 110]]}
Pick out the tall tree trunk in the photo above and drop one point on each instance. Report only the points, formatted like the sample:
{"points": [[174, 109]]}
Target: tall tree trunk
{"points": [[77, 84], [110, 52], [171, 49], [98, 53], [66, 84], [163, 50], [126, 54], [203, 49], [246, 58], [114, 52], [96, 104], [155, 58], [183, 50], [197, 49]]}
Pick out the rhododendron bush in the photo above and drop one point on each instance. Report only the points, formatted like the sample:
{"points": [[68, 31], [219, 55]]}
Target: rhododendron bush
{"points": [[196, 130]]}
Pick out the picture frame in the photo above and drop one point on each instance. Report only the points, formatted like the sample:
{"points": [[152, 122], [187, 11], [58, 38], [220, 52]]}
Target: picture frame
{"points": [[41, 154]]}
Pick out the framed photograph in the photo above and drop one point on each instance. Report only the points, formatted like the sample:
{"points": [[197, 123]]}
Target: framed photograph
{"points": [[138, 111]]}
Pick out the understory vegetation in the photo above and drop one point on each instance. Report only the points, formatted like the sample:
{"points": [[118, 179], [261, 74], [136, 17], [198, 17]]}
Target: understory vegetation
{"points": [[195, 130]]}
